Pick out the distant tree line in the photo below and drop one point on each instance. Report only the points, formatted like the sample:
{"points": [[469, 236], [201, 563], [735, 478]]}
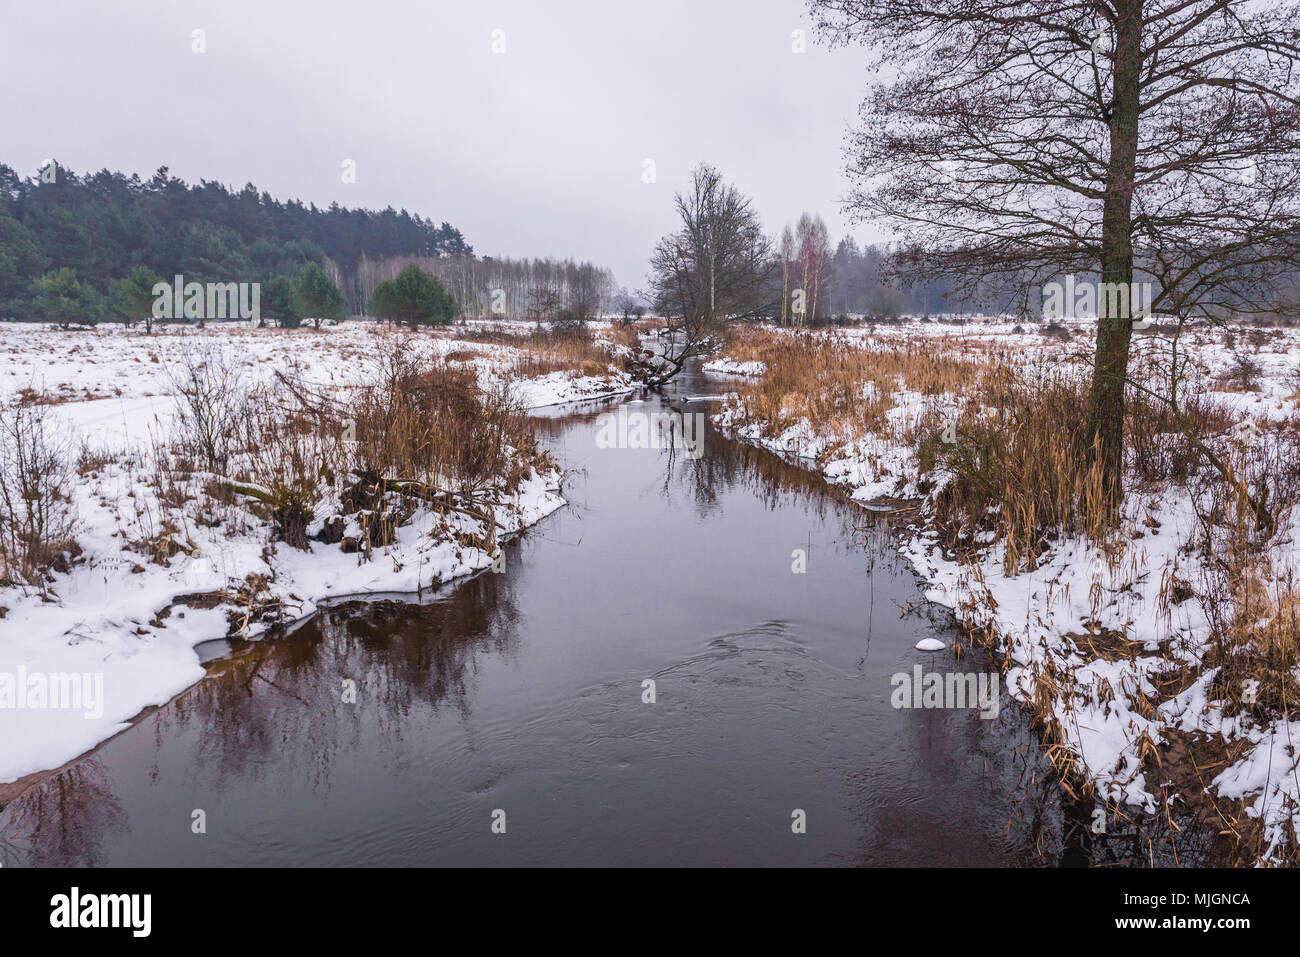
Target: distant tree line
{"points": [[814, 286], [552, 290], [66, 239], [860, 284]]}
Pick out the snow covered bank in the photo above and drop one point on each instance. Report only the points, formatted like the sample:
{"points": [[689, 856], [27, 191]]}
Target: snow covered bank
{"points": [[164, 561], [1117, 649], [726, 366]]}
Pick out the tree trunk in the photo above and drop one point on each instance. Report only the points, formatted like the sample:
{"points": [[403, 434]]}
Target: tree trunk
{"points": [[1115, 331]]}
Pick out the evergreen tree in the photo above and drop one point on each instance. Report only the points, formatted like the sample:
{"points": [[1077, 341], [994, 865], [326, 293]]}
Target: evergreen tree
{"points": [[280, 303], [132, 298], [317, 297], [65, 300], [21, 261], [415, 298]]}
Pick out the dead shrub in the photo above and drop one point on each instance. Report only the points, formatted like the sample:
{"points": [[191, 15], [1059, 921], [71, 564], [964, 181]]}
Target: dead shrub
{"points": [[37, 515], [290, 460], [431, 424], [212, 400]]}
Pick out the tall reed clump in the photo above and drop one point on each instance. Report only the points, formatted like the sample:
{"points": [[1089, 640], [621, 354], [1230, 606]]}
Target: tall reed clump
{"points": [[37, 513], [290, 459], [1248, 588], [428, 422], [425, 431], [840, 387], [1015, 460]]}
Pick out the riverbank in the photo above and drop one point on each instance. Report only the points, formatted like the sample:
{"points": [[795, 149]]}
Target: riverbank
{"points": [[1156, 655], [527, 691], [201, 483]]}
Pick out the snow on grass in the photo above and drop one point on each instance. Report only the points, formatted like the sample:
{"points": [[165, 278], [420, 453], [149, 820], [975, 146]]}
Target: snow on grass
{"points": [[1056, 625], [111, 361], [726, 366], [132, 619]]}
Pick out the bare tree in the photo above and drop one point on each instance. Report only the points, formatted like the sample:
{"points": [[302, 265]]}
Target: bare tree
{"points": [[714, 269], [501, 287], [813, 260], [544, 304], [625, 304], [787, 266], [1013, 141]]}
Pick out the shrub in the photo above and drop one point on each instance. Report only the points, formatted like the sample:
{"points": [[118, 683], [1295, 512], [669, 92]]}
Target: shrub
{"points": [[64, 299], [212, 399], [37, 516]]}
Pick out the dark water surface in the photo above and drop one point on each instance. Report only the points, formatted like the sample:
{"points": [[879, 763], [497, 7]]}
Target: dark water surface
{"points": [[522, 692]]}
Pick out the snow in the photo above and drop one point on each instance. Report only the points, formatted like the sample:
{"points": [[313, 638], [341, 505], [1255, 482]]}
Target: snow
{"points": [[726, 366], [1044, 616], [560, 387], [114, 614]]}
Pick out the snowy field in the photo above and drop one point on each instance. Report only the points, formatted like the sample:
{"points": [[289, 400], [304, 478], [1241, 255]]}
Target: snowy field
{"points": [[1091, 639], [119, 614]]}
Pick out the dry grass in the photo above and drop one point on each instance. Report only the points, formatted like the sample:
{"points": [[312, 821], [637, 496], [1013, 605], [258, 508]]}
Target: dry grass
{"points": [[37, 515], [628, 334], [430, 422], [1004, 461], [1017, 462], [546, 351], [420, 432], [291, 458], [1006, 441], [839, 387], [1248, 589]]}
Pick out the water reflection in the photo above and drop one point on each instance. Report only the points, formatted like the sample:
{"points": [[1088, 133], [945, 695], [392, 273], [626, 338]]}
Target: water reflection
{"points": [[523, 691], [65, 821]]}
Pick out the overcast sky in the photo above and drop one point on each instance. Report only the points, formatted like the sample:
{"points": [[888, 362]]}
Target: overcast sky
{"points": [[535, 151]]}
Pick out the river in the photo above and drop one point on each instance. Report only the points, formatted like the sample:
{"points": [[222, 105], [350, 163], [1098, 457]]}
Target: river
{"points": [[517, 701]]}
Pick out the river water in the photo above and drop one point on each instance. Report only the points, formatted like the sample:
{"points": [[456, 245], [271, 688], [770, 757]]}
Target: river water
{"points": [[518, 699]]}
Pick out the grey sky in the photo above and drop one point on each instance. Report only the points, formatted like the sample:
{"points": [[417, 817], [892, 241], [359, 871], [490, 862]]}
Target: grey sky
{"points": [[537, 151]]}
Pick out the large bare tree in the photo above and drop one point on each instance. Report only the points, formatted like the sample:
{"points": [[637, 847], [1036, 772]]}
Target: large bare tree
{"points": [[716, 268], [1010, 142]]}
